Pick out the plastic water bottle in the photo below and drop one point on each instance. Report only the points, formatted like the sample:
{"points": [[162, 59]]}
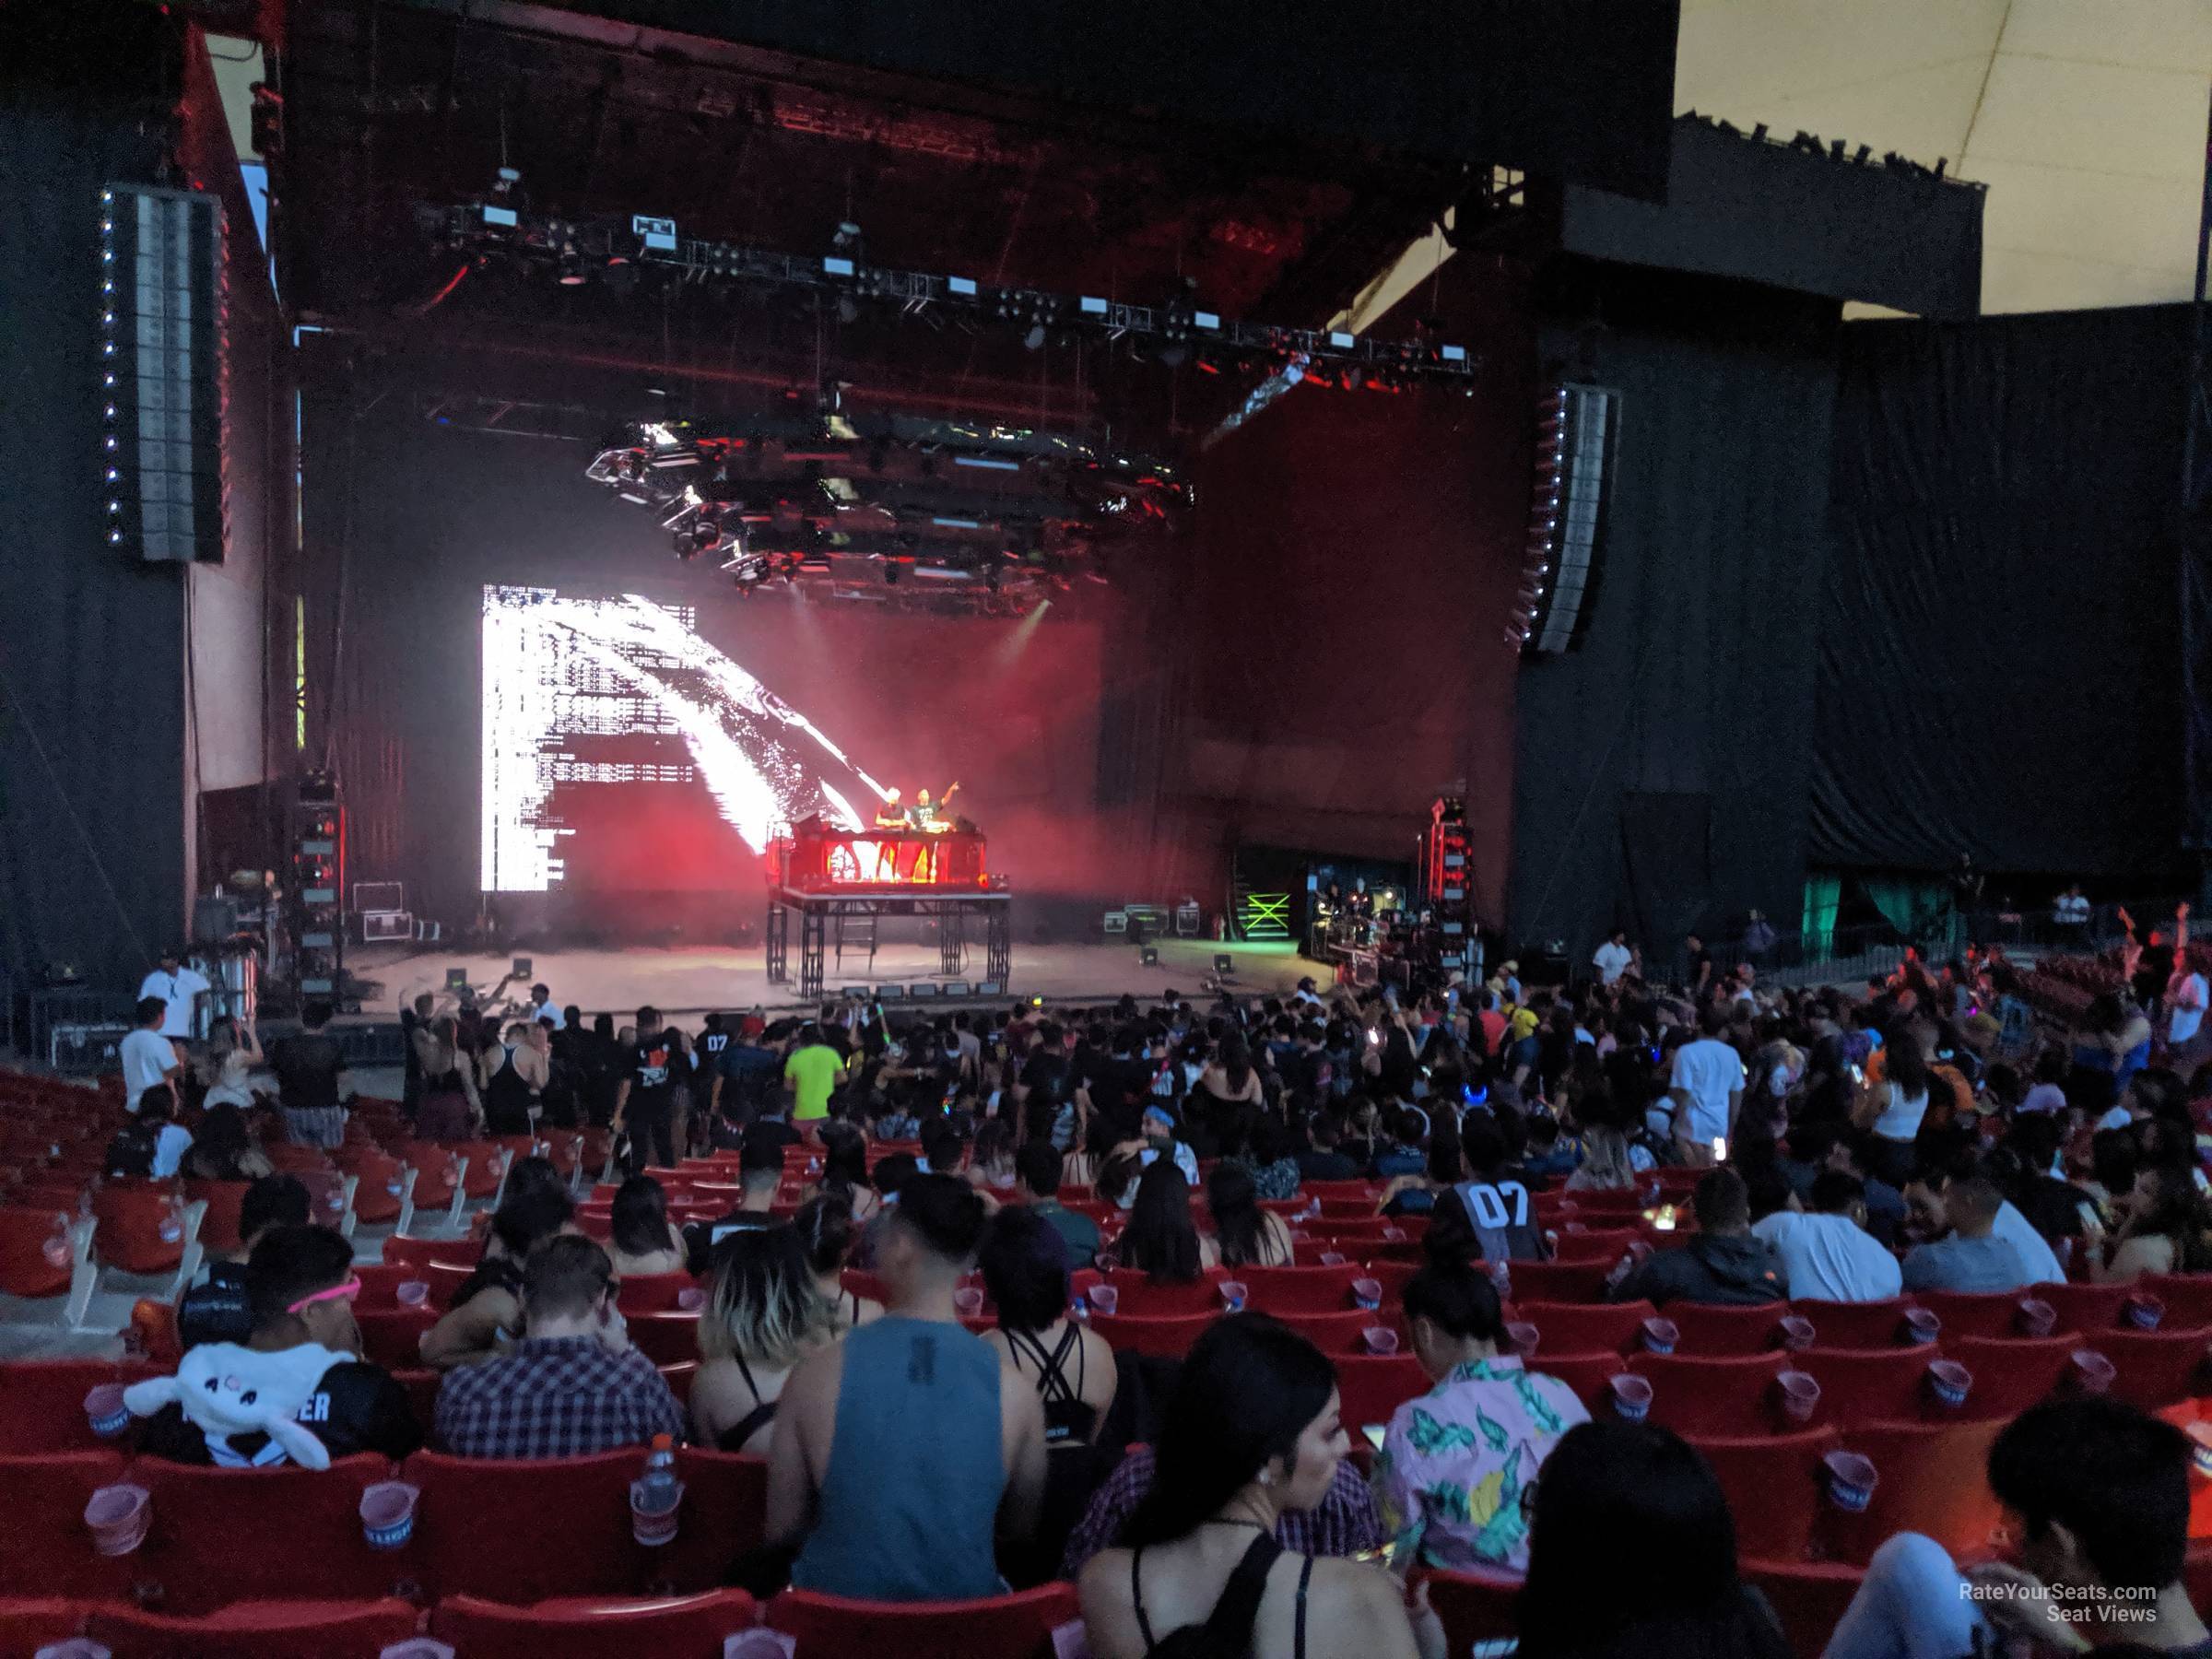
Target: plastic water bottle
{"points": [[1078, 1310], [654, 1495]]}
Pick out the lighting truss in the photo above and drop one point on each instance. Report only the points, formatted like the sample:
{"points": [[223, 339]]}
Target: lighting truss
{"points": [[567, 246]]}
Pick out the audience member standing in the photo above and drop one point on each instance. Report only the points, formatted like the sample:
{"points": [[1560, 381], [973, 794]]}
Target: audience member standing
{"points": [[645, 1103], [312, 1082], [179, 989], [1706, 1086], [149, 1059], [906, 1442]]}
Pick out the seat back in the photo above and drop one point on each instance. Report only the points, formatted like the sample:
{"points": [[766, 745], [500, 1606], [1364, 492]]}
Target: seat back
{"points": [[1559, 1281], [1474, 1606], [400, 1250], [1604, 1244], [134, 1217], [2154, 1369], [1167, 1337], [224, 1536], [1371, 1386], [1776, 1486], [1869, 1385], [1299, 1289], [2011, 1373], [1872, 1325], [1584, 1327], [523, 1530], [26, 1625], [1808, 1597], [1141, 1297], [1975, 1312], [1588, 1374], [1696, 1394], [583, 1628], [1710, 1329], [725, 1517], [392, 1338], [2187, 1296], [670, 1338], [1018, 1626], [1339, 1332], [250, 1630], [45, 1547], [42, 1403], [652, 1292], [2090, 1310], [218, 1228], [1930, 1478]]}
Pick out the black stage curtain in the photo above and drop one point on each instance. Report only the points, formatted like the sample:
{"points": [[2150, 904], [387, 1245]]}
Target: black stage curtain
{"points": [[1998, 638], [1660, 769]]}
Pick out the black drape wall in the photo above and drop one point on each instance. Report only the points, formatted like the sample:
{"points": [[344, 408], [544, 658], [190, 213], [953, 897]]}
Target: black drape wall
{"points": [[1998, 637], [1661, 770]]}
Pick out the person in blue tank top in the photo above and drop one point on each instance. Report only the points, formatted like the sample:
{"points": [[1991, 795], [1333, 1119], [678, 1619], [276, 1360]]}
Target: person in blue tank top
{"points": [[903, 1451]]}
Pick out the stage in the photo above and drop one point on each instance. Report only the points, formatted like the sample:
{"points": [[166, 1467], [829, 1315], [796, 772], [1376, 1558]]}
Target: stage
{"points": [[691, 980]]}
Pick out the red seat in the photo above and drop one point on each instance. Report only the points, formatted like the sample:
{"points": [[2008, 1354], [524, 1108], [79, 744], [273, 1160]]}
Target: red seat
{"points": [[2091, 1310], [2187, 1296], [1392, 1276], [1019, 1625], [2010, 1373], [1584, 1327], [585, 1628], [1871, 1325], [333, 1629], [1975, 1313], [1588, 1374], [1606, 1244], [218, 1228], [1337, 1333], [1808, 1597], [444, 1278], [666, 1338], [1868, 1385], [1776, 1486], [1557, 1281], [2153, 1369], [1709, 1329], [1298, 1289], [724, 1516], [526, 1530], [434, 1169], [392, 1338], [1929, 1478], [45, 1547], [380, 1283], [132, 1215], [27, 1625], [1701, 1393], [377, 1199], [1371, 1386], [422, 1385], [1146, 1299], [1474, 1606], [42, 1402], [417, 1253], [486, 1167], [653, 1293], [223, 1535], [1167, 1336]]}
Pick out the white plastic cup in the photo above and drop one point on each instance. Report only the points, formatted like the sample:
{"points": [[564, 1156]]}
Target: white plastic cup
{"points": [[1850, 1480], [968, 1302], [106, 1412], [2093, 1371], [1800, 1392], [411, 1293], [1367, 1293], [1380, 1339], [1661, 1334], [388, 1514], [1950, 1383], [1631, 1396], [1105, 1299], [1233, 1294], [1523, 1336], [119, 1516]]}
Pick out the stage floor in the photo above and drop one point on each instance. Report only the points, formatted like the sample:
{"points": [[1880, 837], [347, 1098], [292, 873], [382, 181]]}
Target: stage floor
{"points": [[693, 980]]}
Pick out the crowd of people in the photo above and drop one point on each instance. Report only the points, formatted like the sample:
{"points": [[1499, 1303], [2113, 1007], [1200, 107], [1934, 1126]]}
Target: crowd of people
{"points": [[1851, 1145]]}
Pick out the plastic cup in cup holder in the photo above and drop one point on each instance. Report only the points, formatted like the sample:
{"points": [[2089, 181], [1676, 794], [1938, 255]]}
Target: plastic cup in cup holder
{"points": [[1104, 1298], [1660, 1335], [2200, 1447], [119, 1516], [104, 1407], [1950, 1383], [1850, 1480], [1522, 1335], [388, 1514], [690, 1299], [968, 1302], [2093, 1372], [2035, 1317], [1921, 1325], [1380, 1339], [1367, 1292], [1332, 1258], [1233, 1295], [411, 1293], [1632, 1398], [1797, 1332], [2144, 1311], [1800, 1393]]}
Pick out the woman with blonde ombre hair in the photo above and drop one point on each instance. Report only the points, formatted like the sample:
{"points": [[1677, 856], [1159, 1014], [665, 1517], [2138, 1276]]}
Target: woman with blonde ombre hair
{"points": [[763, 1315]]}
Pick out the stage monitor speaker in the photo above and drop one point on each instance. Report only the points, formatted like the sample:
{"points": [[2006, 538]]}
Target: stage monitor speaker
{"points": [[959, 988], [1149, 957], [991, 988], [890, 993], [163, 307], [1225, 964], [523, 968], [922, 988], [456, 978], [1577, 429]]}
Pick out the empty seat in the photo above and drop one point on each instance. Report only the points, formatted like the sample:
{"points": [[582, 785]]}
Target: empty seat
{"points": [[218, 1228], [1709, 1329], [2011, 1373], [141, 1230], [1867, 1385], [45, 1547], [1929, 1478], [1340, 1333], [1584, 1327], [1776, 1486], [1856, 1324], [28, 1624], [401, 1250], [1605, 1245], [1586, 1374], [1371, 1386], [42, 1402], [2187, 1296], [1142, 1297], [653, 1292], [1557, 1281], [2089, 1308], [1700, 1393], [670, 1338], [1976, 1314], [2153, 1368], [725, 1517], [224, 1536], [256, 1630], [584, 1627], [1164, 1336], [1017, 1626], [1299, 1289], [524, 1531]]}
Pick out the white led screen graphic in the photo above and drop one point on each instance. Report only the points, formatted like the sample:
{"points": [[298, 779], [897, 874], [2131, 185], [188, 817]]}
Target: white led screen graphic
{"points": [[616, 737]]}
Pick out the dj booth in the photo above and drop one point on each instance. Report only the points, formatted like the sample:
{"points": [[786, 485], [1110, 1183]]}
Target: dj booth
{"points": [[844, 880]]}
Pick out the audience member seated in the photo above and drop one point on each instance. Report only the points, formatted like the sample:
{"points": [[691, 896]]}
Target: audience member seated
{"points": [[1244, 1234], [1494, 1200], [1444, 1169], [2165, 1230], [1267, 1158], [1162, 1241], [829, 1237], [2101, 1494], [1828, 1254], [1039, 1165], [217, 1306], [151, 1144], [1025, 1272], [763, 1315], [1721, 1263], [908, 1440], [573, 1384], [1454, 1465], [1632, 1551], [760, 1175], [486, 1309], [1323, 1161], [643, 1244], [1973, 1257], [1251, 1433], [845, 1169], [300, 1291], [224, 1149], [1161, 1140]]}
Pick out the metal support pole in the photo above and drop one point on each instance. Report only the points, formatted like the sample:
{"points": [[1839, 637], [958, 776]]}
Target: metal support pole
{"points": [[2196, 549]]}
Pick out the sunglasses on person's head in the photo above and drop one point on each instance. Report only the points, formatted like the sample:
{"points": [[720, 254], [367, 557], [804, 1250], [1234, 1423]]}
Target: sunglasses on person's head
{"points": [[344, 1292]]}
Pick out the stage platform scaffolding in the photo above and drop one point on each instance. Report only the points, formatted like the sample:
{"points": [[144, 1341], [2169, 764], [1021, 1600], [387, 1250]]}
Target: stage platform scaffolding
{"points": [[829, 879], [811, 916]]}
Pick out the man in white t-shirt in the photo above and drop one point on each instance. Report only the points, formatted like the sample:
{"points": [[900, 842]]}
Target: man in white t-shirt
{"points": [[1612, 959], [1706, 1086], [1828, 1254], [179, 989], [2184, 1002], [149, 1059]]}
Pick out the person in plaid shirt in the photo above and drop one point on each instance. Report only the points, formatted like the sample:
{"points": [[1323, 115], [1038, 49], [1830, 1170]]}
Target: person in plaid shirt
{"points": [[573, 1384]]}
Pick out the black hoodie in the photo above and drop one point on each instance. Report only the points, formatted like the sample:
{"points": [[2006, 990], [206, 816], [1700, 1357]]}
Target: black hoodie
{"points": [[1727, 1269]]}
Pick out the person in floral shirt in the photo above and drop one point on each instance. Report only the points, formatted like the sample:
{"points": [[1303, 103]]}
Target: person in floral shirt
{"points": [[1458, 1465]]}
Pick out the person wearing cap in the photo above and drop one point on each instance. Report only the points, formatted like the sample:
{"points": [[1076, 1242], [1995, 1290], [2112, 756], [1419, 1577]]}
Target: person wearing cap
{"points": [[179, 989], [1160, 1137], [1305, 995]]}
